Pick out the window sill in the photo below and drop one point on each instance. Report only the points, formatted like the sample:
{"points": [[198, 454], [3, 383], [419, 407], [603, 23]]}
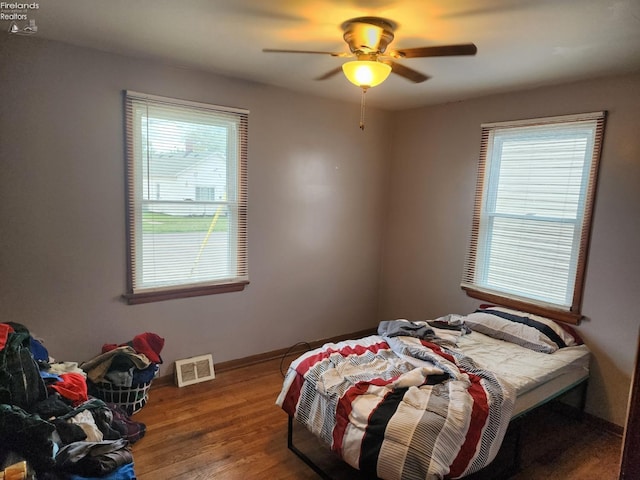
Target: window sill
{"points": [[554, 314], [161, 295]]}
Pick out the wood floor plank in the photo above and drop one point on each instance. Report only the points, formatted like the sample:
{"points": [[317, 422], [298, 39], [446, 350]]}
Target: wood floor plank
{"points": [[230, 429]]}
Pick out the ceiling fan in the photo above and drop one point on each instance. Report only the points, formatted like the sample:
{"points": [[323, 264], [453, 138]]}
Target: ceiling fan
{"points": [[368, 39]]}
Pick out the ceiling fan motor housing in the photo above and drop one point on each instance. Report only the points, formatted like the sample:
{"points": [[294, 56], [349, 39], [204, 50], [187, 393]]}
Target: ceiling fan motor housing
{"points": [[368, 35]]}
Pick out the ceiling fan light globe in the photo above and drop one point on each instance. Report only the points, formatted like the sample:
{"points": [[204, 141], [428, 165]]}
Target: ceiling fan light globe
{"points": [[366, 73]]}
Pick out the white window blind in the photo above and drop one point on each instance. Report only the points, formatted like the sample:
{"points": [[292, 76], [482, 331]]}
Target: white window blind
{"points": [[532, 216], [186, 198]]}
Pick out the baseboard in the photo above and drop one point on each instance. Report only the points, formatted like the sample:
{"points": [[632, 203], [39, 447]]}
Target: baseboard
{"points": [[597, 422], [603, 424], [271, 355]]}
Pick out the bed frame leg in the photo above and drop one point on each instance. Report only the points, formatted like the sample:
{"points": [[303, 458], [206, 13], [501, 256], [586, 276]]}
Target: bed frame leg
{"points": [[301, 455], [583, 399], [576, 409], [517, 456]]}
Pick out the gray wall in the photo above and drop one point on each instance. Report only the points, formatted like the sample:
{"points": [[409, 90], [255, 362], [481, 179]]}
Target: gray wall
{"points": [[325, 198], [432, 184], [316, 193]]}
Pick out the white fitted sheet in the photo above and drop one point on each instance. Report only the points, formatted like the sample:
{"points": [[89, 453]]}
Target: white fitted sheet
{"points": [[537, 377]]}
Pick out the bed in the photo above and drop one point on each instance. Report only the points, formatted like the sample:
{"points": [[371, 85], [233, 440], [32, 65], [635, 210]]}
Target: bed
{"points": [[431, 399]]}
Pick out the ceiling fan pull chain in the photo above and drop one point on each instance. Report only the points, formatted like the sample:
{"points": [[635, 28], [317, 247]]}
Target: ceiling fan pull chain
{"points": [[364, 91]]}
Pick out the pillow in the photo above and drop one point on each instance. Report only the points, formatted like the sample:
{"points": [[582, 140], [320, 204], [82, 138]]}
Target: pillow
{"points": [[525, 329]]}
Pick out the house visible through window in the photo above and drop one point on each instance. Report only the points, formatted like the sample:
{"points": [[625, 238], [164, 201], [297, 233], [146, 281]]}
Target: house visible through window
{"points": [[186, 198], [205, 194], [532, 215]]}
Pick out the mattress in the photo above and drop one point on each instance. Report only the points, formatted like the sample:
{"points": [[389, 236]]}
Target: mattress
{"points": [[537, 377]]}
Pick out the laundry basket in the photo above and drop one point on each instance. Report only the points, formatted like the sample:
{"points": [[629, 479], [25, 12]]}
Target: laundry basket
{"points": [[122, 374], [130, 399]]}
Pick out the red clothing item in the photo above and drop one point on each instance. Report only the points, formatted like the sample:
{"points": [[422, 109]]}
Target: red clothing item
{"points": [[5, 330], [149, 344], [72, 387]]}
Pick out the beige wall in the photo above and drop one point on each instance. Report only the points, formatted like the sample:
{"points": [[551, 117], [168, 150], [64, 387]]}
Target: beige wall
{"points": [[432, 185], [316, 186], [325, 198]]}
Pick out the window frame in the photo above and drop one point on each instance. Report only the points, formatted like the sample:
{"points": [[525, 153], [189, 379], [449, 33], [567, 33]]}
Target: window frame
{"points": [[471, 283], [136, 294]]}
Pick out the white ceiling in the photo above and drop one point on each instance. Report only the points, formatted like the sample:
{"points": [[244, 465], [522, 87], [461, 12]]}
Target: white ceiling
{"points": [[521, 43]]}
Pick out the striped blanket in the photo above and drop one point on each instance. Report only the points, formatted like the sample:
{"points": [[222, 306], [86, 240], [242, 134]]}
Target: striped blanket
{"points": [[401, 407]]}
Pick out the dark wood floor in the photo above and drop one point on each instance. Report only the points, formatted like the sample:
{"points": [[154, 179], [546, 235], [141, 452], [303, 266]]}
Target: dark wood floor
{"points": [[230, 428]]}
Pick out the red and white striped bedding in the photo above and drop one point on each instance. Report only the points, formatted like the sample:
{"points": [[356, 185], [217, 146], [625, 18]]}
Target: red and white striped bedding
{"points": [[401, 407]]}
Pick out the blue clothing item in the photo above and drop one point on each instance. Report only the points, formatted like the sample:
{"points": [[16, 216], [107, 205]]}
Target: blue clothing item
{"points": [[38, 350], [145, 375], [125, 472], [50, 376]]}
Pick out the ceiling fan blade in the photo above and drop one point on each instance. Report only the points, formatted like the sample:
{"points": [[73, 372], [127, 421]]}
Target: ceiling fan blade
{"points": [[438, 51], [330, 73], [333, 54], [408, 73]]}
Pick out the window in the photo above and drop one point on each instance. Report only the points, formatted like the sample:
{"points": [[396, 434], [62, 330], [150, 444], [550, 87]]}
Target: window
{"points": [[532, 214], [186, 198], [205, 193]]}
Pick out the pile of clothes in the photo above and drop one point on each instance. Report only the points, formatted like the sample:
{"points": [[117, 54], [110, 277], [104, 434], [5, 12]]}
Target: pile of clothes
{"points": [[123, 373], [49, 419]]}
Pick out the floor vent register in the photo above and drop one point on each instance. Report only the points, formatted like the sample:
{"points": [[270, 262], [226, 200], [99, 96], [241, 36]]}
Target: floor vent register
{"points": [[194, 370]]}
